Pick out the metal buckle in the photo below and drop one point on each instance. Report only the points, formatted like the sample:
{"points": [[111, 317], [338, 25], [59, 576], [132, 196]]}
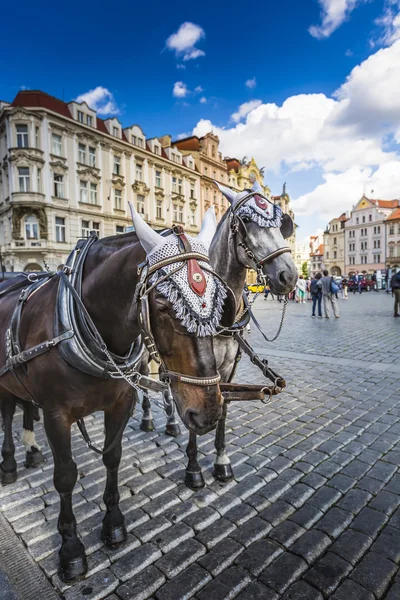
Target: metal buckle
{"points": [[32, 277]]}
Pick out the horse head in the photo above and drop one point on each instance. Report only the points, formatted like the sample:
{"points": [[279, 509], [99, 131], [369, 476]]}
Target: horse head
{"points": [[186, 302], [261, 228]]}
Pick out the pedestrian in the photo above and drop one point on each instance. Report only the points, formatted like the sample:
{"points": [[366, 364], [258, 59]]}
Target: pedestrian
{"points": [[345, 287], [301, 290], [360, 280], [354, 279], [395, 285], [375, 285], [266, 292], [316, 295], [328, 295]]}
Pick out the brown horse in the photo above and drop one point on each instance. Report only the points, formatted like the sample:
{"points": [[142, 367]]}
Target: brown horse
{"points": [[182, 334]]}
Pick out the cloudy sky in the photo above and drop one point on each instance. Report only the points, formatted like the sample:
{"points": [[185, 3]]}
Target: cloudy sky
{"points": [[311, 89]]}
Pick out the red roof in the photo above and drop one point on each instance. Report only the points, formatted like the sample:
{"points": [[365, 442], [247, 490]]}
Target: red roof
{"points": [[394, 215], [384, 203], [343, 217], [34, 98], [191, 143]]}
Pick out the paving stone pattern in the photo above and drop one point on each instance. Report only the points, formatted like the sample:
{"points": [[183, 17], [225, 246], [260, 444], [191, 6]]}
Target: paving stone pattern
{"points": [[313, 511]]}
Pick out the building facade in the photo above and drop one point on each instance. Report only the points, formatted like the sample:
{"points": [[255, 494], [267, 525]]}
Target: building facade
{"points": [[393, 241], [334, 249], [64, 172], [211, 166], [301, 256], [316, 255], [365, 235]]}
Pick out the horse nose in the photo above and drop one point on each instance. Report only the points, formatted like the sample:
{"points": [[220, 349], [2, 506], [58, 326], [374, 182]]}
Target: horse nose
{"points": [[194, 420], [283, 277]]}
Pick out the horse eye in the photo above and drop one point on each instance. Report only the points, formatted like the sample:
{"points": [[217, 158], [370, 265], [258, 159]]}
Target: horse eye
{"points": [[246, 219]]}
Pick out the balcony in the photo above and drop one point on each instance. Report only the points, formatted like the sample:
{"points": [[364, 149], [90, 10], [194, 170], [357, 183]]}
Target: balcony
{"points": [[30, 198], [26, 245]]}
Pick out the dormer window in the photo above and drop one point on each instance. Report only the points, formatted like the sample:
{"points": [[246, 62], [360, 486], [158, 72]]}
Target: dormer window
{"points": [[134, 140], [140, 142], [115, 132], [157, 150], [80, 116], [89, 120]]}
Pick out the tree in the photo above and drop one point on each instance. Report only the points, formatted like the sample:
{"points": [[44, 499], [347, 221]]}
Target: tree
{"points": [[304, 269]]}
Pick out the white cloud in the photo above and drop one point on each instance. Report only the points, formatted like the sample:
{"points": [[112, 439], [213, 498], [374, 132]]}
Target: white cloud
{"points": [[203, 100], [348, 52], [183, 42], [251, 83], [180, 90], [333, 14], [198, 89], [389, 22], [348, 139], [101, 100], [180, 66], [244, 109]]}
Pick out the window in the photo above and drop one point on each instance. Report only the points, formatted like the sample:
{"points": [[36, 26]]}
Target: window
{"points": [[96, 228], [363, 219], [58, 186], [370, 217], [205, 171], [327, 255], [193, 218], [374, 230], [22, 136], [119, 229], [83, 188], [23, 179], [158, 179], [93, 193], [115, 131], [334, 254], [118, 199], [180, 186], [134, 140], [157, 150], [56, 142], [334, 241], [391, 230], [391, 251], [174, 212], [82, 154], [140, 204], [139, 172], [378, 258], [140, 142], [213, 151], [31, 228], [80, 116], [60, 229], [378, 244], [89, 120], [37, 145], [117, 165], [85, 228], [174, 188], [215, 174], [357, 220], [92, 156], [39, 180], [379, 228], [180, 214], [192, 190], [159, 209]]}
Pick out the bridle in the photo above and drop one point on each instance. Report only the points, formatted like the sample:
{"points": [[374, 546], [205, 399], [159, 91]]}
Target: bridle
{"points": [[238, 227], [143, 289]]}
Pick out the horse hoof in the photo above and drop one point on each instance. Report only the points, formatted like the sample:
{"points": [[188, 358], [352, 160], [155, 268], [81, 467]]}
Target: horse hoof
{"points": [[34, 458], [147, 425], [113, 536], [173, 429], [6, 478], [223, 472], [74, 569], [194, 481]]}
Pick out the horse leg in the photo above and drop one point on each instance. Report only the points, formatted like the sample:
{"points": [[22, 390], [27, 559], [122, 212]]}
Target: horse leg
{"points": [[113, 531], [147, 423], [222, 466], [194, 477], [34, 457], [73, 564], [8, 468], [172, 427]]}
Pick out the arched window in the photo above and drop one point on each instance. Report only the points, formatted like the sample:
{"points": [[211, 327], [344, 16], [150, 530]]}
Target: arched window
{"points": [[31, 228]]}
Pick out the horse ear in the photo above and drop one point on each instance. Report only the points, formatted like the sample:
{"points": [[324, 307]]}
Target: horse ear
{"points": [[227, 192], [149, 238], [208, 227], [287, 226]]}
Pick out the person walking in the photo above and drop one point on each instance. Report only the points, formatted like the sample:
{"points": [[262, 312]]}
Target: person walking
{"points": [[395, 285], [328, 295], [354, 279], [316, 295], [266, 292], [345, 287], [301, 290], [375, 285]]}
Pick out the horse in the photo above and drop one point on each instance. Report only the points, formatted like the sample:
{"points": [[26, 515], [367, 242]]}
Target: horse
{"points": [[250, 235], [123, 288]]}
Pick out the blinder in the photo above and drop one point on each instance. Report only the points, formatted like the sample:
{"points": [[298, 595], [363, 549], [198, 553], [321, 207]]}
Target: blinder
{"points": [[287, 226]]}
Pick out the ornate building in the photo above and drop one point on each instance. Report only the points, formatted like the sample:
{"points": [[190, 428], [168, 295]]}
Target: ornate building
{"points": [[365, 235], [334, 245], [316, 255], [242, 175], [210, 165], [64, 172], [393, 241]]}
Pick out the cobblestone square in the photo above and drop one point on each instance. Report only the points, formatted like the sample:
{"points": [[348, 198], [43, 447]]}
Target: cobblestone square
{"points": [[313, 511]]}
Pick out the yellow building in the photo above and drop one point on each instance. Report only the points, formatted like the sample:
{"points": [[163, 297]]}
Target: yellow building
{"points": [[242, 175]]}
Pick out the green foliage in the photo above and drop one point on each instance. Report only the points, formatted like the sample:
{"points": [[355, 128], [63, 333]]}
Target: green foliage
{"points": [[304, 270]]}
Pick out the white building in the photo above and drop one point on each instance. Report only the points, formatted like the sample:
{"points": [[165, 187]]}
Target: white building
{"points": [[64, 172]]}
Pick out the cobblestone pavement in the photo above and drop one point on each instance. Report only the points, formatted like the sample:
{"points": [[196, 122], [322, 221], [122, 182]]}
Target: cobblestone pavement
{"points": [[313, 511]]}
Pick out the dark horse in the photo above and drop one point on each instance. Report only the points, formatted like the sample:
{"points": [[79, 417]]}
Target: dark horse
{"points": [[182, 339], [250, 235]]}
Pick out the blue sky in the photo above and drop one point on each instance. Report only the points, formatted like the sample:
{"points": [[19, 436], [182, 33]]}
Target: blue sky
{"points": [[126, 52]]}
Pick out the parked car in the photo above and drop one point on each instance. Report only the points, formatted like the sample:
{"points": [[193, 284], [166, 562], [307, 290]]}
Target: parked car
{"points": [[366, 284], [256, 287]]}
